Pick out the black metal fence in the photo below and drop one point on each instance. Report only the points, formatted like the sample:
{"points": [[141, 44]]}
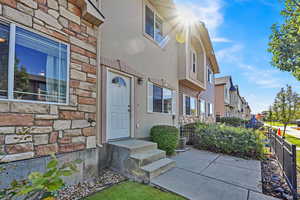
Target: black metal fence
{"points": [[286, 155], [188, 132]]}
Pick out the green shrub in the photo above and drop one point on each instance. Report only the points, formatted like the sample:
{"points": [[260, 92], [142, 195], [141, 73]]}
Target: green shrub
{"points": [[233, 121], [240, 142], [166, 137]]}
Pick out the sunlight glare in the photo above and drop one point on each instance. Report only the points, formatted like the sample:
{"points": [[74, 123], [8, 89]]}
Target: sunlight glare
{"points": [[186, 17]]}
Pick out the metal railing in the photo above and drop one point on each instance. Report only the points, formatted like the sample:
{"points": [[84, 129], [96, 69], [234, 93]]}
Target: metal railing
{"points": [[286, 155], [188, 132]]}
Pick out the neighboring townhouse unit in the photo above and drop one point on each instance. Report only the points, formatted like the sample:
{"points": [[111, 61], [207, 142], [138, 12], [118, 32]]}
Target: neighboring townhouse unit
{"points": [[223, 101], [48, 81], [139, 68], [229, 102], [197, 66], [207, 97]]}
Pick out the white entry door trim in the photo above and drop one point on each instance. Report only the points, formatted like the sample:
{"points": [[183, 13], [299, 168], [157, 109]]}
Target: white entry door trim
{"points": [[111, 134]]}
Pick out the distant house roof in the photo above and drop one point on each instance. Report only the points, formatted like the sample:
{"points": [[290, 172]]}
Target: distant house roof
{"points": [[222, 80]]}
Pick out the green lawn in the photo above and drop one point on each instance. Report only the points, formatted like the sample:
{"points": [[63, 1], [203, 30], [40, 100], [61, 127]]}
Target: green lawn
{"points": [[133, 191], [295, 141], [278, 124]]}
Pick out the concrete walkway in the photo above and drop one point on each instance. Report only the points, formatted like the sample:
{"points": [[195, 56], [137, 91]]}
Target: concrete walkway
{"points": [[201, 175]]}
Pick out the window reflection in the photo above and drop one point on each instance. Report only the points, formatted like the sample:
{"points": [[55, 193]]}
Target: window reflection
{"points": [[4, 51], [40, 68]]}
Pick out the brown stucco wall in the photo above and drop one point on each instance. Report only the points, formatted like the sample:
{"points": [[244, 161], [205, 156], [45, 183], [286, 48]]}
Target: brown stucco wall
{"points": [[219, 100]]}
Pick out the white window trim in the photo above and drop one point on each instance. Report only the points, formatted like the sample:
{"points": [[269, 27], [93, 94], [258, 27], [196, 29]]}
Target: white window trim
{"points": [[11, 62], [150, 102], [147, 4]]}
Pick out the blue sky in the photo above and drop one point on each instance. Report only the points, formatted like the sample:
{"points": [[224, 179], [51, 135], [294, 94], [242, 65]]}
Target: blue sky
{"points": [[240, 32]]}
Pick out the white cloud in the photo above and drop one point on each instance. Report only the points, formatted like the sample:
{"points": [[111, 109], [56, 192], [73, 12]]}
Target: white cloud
{"points": [[230, 54], [207, 11], [220, 39]]}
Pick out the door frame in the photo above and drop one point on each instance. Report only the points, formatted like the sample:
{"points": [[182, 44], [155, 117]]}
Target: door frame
{"points": [[132, 95]]}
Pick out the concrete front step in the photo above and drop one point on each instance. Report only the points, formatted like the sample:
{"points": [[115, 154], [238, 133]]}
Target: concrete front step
{"points": [[147, 157], [135, 146], [158, 167], [138, 159]]}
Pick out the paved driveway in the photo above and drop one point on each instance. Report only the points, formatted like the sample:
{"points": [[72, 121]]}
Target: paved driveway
{"points": [[201, 175]]}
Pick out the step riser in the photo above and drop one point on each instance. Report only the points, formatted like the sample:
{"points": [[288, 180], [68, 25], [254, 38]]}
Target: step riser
{"points": [[149, 160], [143, 149], [161, 170]]}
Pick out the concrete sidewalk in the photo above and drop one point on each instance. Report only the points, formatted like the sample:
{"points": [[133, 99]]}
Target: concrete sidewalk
{"points": [[201, 175]]}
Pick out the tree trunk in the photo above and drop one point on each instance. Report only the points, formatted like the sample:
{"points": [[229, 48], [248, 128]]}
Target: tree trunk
{"points": [[284, 130]]}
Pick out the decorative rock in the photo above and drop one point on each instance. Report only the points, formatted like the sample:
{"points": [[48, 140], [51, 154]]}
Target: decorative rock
{"points": [[17, 16], [91, 142], [30, 3], [8, 119], [87, 108], [78, 75], [47, 19], [53, 13], [80, 124], [72, 133], [19, 148], [48, 149], [25, 9], [83, 44], [29, 108], [37, 129], [67, 14], [71, 147], [40, 139], [53, 137], [46, 117], [52, 4], [7, 130], [13, 139], [62, 124], [80, 139], [89, 131], [15, 157]]}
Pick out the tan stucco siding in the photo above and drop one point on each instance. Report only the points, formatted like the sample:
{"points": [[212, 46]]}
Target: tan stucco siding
{"points": [[123, 38]]}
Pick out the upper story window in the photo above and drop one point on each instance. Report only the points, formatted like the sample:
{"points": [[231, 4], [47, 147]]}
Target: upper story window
{"points": [[161, 100], [210, 76], [33, 67], [194, 61], [190, 105], [153, 25], [225, 92]]}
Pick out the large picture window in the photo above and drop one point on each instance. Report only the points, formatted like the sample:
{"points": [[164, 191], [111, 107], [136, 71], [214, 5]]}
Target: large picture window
{"points": [[161, 100], [35, 69], [153, 25]]}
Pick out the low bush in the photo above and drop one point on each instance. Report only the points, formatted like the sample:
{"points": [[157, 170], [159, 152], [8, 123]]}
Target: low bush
{"points": [[166, 137], [233, 121], [235, 141]]}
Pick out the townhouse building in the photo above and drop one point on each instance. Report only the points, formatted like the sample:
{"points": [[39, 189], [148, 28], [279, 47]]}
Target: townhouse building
{"points": [[196, 78], [80, 88], [228, 101]]}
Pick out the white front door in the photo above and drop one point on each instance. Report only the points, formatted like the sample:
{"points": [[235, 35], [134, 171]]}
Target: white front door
{"points": [[118, 106]]}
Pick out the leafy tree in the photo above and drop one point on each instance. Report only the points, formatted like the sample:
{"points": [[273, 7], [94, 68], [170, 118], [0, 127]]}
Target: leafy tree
{"points": [[270, 116], [21, 79], [287, 102], [285, 39]]}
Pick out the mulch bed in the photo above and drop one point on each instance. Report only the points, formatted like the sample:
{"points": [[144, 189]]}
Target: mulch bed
{"points": [[75, 192], [273, 181]]}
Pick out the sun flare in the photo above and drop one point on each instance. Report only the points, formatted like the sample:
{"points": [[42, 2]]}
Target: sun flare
{"points": [[186, 17]]}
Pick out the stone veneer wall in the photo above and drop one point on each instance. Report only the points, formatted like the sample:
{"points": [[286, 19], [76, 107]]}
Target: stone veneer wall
{"points": [[54, 128]]}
